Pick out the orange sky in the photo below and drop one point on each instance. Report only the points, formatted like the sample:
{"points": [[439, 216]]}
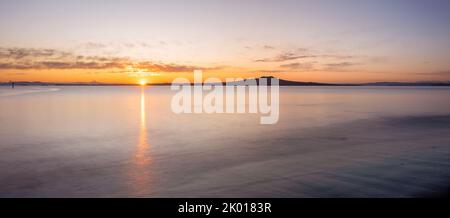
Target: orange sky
{"points": [[70, 76]]}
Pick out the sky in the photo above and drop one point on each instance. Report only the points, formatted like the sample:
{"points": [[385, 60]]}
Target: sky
{"points": [[113, 41]]}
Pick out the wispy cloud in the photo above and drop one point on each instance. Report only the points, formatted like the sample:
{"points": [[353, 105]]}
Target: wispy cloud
{"points": [[301, 53], [25, 53], [298, 66], [434, 73], [40, 59], [94, 45], [286, 56], [342, 64], [336, 56], [171, 67], [268, 47]]}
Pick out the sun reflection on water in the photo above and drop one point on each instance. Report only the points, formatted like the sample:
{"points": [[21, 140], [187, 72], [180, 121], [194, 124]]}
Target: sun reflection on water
{"points": [[140, 173]]}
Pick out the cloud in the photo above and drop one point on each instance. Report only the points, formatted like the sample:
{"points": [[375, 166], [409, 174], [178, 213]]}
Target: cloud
{"points": [[48, 59], [299, 66], [434, 73], [339, 66], [268, 47], [18, 74], [442, 73], [94, 45], [342, 64], [316, 66], [334, 56], [25, 53], [32, 58], [48, 65], [286, 56], [161, 67], [267, 71]]}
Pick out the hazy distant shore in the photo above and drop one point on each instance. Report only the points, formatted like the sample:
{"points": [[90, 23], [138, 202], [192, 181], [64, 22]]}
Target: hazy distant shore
{"points": [[281, 83]]}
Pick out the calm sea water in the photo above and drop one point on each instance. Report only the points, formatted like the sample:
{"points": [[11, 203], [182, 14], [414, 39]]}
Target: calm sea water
{"points": [[125, 141]]}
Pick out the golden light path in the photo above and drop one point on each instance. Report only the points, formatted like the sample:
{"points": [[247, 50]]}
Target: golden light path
{"points": [[141, 156], [140, 169]]}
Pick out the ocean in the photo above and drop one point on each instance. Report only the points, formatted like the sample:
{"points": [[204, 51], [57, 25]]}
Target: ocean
{"points": [[125, 141]]}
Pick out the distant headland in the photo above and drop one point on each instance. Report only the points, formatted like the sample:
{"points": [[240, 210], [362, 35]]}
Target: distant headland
{"points": [[282, 82]]}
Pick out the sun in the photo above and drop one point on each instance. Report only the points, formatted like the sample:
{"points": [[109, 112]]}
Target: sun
{"points": [[142, 82]]}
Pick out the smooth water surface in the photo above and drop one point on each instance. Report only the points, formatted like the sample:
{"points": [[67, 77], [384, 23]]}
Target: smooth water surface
{"points": [[100, 141]]}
